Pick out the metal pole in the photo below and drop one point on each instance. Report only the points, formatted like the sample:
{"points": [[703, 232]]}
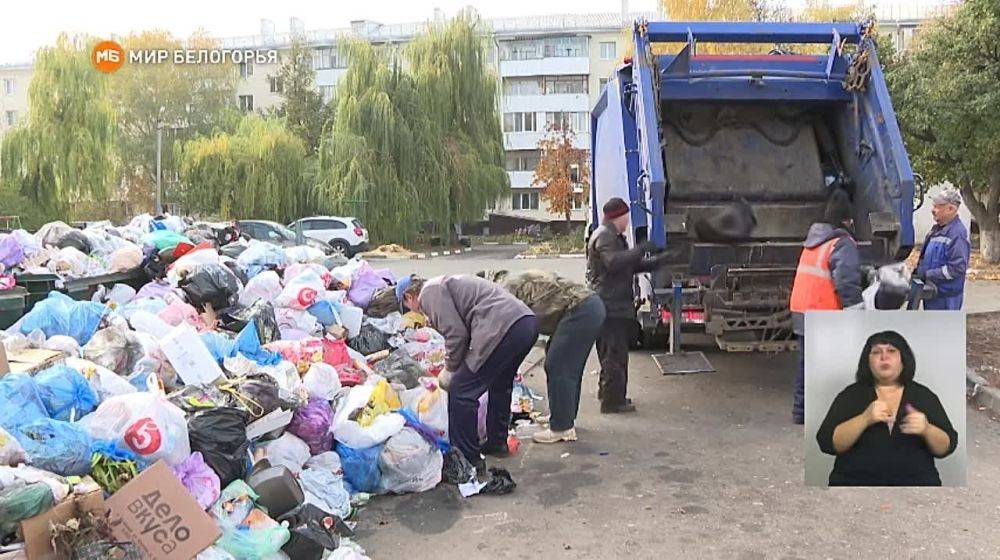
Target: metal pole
{"points": [[675, 319], [159, 149]]}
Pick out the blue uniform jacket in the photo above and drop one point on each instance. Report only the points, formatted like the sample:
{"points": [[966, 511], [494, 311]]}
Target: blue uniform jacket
{"points": [[945, 257]]}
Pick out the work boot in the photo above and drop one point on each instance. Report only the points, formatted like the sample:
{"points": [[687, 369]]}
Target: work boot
{"points": [[607, 408], [480, 467], [498, 450], [554, 436]]}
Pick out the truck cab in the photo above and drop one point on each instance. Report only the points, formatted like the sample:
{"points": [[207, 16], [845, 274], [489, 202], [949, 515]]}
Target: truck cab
{"points": [[685, 136]]}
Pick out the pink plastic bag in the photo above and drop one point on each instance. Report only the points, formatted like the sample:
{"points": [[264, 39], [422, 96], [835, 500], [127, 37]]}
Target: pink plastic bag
{"points": [[335, 352], [199, 479], [179, 312]]}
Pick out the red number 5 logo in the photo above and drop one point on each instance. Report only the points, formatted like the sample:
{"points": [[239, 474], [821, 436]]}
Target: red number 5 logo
{"points": [[143, 436]]}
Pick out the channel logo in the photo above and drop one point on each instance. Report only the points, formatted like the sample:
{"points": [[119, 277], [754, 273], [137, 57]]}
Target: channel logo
{"points": [[107, 56]]}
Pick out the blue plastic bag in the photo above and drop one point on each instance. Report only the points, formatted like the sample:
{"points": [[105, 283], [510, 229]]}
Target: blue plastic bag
{"points": [[56, 446], [425, 431], [324, 312], [66, 393], [21, 401], [260, 256], [60, 314], [246, 343], [361, 470]]}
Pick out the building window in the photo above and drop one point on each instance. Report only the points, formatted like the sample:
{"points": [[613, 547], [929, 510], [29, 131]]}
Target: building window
{"points": [[564, 120], [11, 118], [522, 86], [246, 103], [527, 49], [524, 201], [327, 93], [579, 202], [526, 160], [565, 84], [608, 51], [246, 69], [321, 59], [519, 122], [8, 86], [277, 84]]}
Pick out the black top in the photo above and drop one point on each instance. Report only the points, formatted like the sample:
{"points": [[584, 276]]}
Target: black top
{"points": [[881, 458]]}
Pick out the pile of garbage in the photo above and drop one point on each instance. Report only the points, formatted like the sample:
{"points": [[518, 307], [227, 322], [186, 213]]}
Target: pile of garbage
{"points": [[102, 248], [244, 403]]}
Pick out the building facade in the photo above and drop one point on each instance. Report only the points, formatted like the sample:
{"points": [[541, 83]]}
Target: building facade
{"points": [[14, 80]]}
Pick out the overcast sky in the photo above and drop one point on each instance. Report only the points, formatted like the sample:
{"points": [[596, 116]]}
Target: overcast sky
{"points": [[26, 25]]}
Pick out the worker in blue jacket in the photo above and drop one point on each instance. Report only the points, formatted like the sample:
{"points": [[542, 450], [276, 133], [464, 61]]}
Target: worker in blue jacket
{"points": [[945, 255]]}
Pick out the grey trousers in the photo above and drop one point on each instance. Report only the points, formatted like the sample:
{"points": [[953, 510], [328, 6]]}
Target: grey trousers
{"points": [[566, 357]]}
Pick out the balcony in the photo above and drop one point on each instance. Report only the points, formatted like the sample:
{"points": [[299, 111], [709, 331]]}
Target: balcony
{"points": [[552, 66], [529, 140], [521, 179], [567, 102]]}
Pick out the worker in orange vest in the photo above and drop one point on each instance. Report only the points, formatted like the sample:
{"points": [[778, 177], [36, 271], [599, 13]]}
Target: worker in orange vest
{"points": [[828, 278]]}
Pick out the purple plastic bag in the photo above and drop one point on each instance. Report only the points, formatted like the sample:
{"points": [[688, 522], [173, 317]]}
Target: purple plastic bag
{"points": [[155, 289], [365, 282], [311, 424], [11, 252], [199, 479]]}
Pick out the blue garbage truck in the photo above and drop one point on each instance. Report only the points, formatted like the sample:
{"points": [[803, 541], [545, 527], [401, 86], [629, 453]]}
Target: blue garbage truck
{"points": [[686, 137]]}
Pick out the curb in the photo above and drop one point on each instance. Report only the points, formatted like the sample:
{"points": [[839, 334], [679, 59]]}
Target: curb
{"points": [[416, 256], [569, 256], [981, 394]]}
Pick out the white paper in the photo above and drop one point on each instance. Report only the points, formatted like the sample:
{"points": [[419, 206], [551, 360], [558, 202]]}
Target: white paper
{"points": [[269, 422], [189, 356]]}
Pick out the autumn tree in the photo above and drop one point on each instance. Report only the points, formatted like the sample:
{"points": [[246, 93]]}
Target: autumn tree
{"points": [[945, 95], [563, 171]]}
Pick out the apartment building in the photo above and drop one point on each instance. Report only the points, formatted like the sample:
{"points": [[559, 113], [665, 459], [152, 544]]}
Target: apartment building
{"points": [[14, 80]]}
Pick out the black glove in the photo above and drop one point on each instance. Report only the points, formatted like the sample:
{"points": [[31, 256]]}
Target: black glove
{"points": [[922, 276], [650, 247]]}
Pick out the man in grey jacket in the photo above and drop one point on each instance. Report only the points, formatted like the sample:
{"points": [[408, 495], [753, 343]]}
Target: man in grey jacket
{"points": [[487, 333], [828, 278], [611, 269]]}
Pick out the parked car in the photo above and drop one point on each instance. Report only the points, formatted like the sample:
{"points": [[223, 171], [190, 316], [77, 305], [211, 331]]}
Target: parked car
{"points": [[344, 234], [273, 232]]}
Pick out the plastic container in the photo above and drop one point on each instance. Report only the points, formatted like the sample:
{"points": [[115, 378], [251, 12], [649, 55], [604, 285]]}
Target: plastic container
{"points": [[12, 303], [279, 492]]}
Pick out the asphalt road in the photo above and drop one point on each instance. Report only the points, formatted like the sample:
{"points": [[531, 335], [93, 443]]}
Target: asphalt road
{"points": [[710, 467]]}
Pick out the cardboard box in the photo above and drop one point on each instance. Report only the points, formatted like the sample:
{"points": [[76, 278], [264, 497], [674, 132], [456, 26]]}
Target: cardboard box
{"points": [[189, 356], [157, 513], [31, 360], [38, 539], [337, 331]]}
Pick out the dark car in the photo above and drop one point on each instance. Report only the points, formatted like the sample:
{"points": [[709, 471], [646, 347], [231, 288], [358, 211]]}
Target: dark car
{"points": [[273, 232]]}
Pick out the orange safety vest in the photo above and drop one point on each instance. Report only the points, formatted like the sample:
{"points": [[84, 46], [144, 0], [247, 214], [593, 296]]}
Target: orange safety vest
{"points": [[813, 288]]}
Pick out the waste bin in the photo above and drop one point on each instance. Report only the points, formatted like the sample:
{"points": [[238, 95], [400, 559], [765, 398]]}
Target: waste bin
{"points": [[83, 288], [12, 304], [37, 286]]}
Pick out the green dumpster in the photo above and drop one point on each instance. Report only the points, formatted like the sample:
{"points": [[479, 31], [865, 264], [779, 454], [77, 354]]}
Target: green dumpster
{"points": [[37, 286], [84, 288], [12, 304]]}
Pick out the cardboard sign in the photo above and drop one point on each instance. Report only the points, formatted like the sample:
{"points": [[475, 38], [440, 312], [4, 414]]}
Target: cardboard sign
{"points": [[157, 513]]}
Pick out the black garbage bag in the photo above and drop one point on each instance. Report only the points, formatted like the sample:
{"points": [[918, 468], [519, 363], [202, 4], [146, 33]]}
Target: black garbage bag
{"points": [[258, 394], [220, 434], [232, 250], [383, 302], [456, 468], [500, 482], [313, 532], [261, 313], [77, 240], [731, 223], [399, 367], [153, 266], [236, 269], [210, 284], [369, 340]]}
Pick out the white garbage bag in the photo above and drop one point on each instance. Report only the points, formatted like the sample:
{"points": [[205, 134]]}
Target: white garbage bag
{"points": [[146, 423], [409, 463]]}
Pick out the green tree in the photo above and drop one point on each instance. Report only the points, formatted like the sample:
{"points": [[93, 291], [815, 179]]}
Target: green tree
{"points": [[302, 106], [948, 104], [255, 172], [187, 100], [64, 151], [419, 143]]}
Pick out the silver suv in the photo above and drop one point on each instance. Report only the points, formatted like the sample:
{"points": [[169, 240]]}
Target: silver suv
{"points": [[345, 235]]}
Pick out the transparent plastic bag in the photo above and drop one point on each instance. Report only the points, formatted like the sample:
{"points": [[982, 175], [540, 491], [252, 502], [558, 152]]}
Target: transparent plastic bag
{"points": [[409, 463], [199, 479], [326, 490], [22, 403], [266, 286], [115, 348], [322, 381], [287, 451]]}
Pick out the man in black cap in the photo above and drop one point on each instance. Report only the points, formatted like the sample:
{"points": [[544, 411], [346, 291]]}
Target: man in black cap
{"points": [[611, 267]]}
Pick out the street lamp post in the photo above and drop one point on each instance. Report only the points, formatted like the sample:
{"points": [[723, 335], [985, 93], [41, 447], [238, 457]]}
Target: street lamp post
{"points": [[159, 171]]}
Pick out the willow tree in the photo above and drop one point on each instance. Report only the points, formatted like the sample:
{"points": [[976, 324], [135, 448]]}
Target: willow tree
{"points": [[420, 143], [64, 151], [255, 172]]}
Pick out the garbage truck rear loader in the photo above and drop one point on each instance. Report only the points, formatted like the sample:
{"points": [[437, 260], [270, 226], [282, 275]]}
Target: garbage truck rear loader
{"points": [[699, 144]]}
